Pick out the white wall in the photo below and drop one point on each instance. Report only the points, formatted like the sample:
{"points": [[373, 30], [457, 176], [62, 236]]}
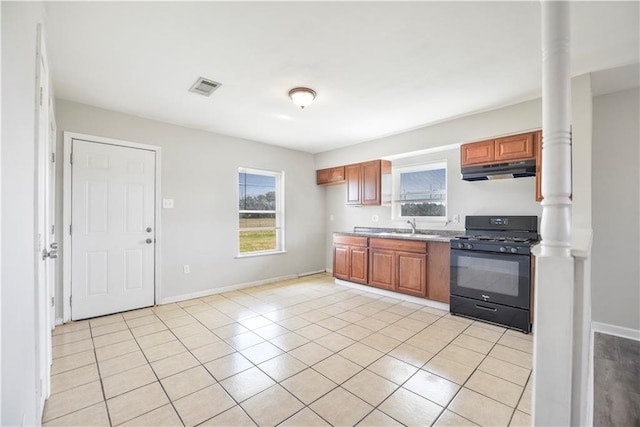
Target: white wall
{"points": [[19, 29], [616, 213], [497, 197], [200, 172]]}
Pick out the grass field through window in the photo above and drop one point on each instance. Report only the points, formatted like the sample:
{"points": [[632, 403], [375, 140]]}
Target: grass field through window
{"points": [[257, 240]]}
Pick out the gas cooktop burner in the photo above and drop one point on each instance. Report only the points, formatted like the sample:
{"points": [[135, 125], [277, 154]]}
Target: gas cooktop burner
{"points": [[505, 239]]}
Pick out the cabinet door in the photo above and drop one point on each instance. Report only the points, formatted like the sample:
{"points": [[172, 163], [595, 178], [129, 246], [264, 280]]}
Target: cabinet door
{"points": [[538, 144], [477, 153], [517, 147], [371, 181], [322, 176], [336, 174], [341, 262], [382, 269], [438, 271], [353, 176], [411, 273], [359, 259]]}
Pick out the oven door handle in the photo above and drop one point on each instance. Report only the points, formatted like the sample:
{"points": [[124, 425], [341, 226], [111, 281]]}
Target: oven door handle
{"points": [[486, 308]]}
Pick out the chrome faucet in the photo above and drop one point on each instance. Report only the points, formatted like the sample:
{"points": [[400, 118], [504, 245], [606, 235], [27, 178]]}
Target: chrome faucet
{"points": [[412, 223]]}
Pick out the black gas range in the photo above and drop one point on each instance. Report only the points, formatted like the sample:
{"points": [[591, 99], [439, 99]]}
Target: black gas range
{"points": [[491, 270]]}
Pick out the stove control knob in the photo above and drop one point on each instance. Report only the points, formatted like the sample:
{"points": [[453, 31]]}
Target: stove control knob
{"points": [[469, 246], [514, 250], [503, 249], [460, 245]]}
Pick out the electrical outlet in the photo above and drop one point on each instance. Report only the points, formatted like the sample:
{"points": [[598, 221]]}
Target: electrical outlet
{"points": [[456, 218], [167, 203], [186, 269], [375, 218]]}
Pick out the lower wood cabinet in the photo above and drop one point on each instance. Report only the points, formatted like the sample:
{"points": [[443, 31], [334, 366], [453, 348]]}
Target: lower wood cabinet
{"points": [[382, 267], [412, 273], [398, 265], [439, 269], [351, 258], [411, 267]]}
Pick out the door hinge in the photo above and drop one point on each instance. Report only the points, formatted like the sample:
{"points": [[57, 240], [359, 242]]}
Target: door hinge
{"points": [[70, 300], [53, 301], [71, 158], [69, 228], [41, 96], [53, 229], [53, 157]]}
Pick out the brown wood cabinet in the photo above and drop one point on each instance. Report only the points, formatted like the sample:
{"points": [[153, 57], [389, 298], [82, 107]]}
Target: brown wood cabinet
{"points": [[514, 148], [398, 265], [364, 182], [412, 273], [330, 176], [351, 258], [438, 271], [538, 144], [477, 153], [499, 150], [412, 267], [382, 267]]}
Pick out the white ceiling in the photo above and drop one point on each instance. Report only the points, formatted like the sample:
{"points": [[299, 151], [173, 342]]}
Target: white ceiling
{"points": [[379, 68]]}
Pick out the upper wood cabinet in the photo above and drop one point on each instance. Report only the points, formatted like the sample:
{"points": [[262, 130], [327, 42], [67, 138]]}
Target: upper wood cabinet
{"points": [[538, 144], [477, 153], [365, 182], [330, 176], [517, 147], [499, 150]]}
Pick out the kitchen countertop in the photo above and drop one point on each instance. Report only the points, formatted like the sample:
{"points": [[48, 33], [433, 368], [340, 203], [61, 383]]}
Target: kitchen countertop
{"points": [[404, 234]]}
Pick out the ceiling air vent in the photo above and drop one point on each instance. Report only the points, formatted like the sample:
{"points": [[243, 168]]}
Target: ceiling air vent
{"points": [[204, 86]]}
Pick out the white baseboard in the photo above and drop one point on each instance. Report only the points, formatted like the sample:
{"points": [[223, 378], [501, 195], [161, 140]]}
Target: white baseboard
{"points": [[311, 273], [329, 270], [59, 321], [206, 293], [383, 292], [618, 331]]}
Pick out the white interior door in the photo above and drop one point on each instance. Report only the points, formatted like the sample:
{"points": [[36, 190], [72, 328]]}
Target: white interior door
{"points": [[45, 210], [112, 229]]}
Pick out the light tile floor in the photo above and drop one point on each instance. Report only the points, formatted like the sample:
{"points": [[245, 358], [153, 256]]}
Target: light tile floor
{"points": [[302, 352]]}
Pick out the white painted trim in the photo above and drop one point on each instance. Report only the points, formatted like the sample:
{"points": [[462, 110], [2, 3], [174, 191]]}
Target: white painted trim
{"points": [[59, 321], [224, 289], [383, 292], [618, 331], [329, 270], [66, 213]]}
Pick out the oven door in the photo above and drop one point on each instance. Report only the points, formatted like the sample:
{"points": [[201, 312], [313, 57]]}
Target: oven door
{"points": [[492, 277]]}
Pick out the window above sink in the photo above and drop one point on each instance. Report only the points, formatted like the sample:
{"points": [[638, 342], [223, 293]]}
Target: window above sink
{"points": [[420, 191]]}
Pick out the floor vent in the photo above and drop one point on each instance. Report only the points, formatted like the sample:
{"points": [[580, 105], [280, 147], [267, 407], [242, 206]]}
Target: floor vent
{"points": [[204, 86]]}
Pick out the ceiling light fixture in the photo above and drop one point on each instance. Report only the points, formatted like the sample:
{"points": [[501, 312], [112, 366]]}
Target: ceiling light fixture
{"points": [[302, 96]]}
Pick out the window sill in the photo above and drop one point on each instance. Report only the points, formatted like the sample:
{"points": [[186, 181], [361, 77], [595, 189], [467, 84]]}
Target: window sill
{"points": [[256, 254]]}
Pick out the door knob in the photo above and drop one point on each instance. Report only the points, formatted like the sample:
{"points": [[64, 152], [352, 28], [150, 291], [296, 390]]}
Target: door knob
{"points": [[148, 229], [149, 241]]}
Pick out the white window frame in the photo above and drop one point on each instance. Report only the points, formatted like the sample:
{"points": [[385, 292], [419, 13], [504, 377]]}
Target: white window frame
{"points": [[279, 211], [396, 212]]}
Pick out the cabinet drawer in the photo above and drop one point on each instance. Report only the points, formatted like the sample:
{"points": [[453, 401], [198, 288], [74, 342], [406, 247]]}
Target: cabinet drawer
{"points": [[350, 240], [398, 245]]}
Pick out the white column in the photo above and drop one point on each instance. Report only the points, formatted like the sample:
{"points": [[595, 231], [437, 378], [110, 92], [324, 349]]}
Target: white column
{"points": [[553, 336]]}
